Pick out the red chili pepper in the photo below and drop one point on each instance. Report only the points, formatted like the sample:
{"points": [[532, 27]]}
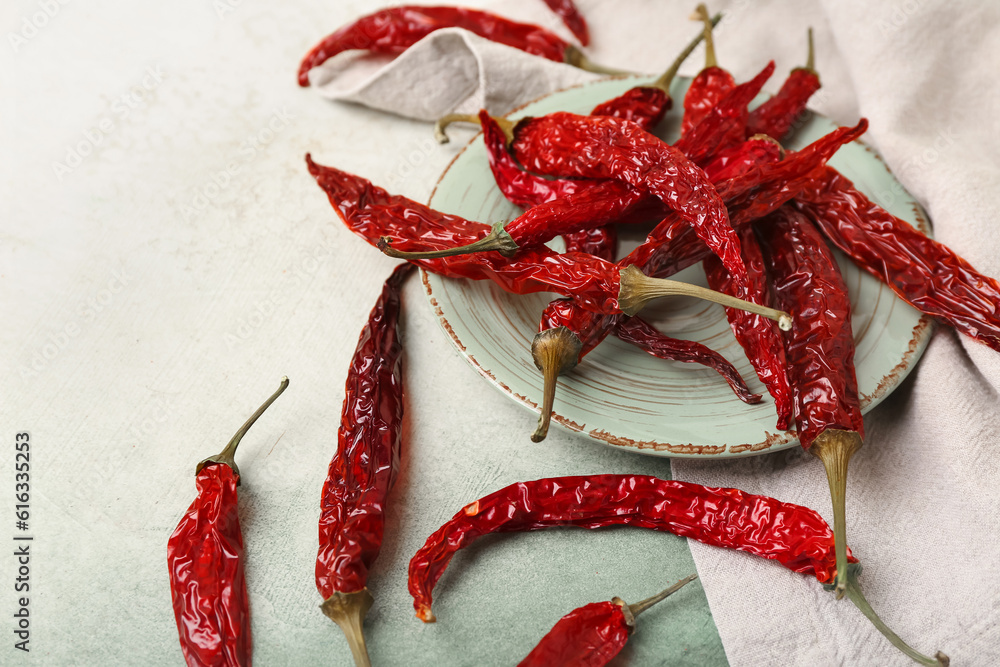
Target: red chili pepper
{"points": [[572, 17], [820, 350], [362, 472], [710, 85], [925, 273], [600, 242], [776, 116], [205, 562], [795, 536], [642, 334], [593, 634], [759, 337], [395, 29]]}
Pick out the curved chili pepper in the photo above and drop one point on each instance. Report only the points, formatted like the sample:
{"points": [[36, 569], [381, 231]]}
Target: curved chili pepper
{"points": [[571, 16], [395, 29], [925, 273], [710, 85], [362, 472], [795, 536], [600, 242], [594, 283], [593, 634], [820, 352], [205, 562], [759, 337], [777, 115], [642, 334]]}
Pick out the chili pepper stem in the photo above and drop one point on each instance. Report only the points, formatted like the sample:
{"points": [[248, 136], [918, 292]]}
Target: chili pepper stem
{"points": [[555, 351], [663, 83], [575, 57], [633, 610], [227, 454], [637, 289], [855, 595], [348, 610], [506, 126], [498, 239], [811, 58], [701, 14], [835, 448]]}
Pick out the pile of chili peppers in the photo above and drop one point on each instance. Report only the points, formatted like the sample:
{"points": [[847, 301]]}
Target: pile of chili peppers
{"points": [[724, 193]]}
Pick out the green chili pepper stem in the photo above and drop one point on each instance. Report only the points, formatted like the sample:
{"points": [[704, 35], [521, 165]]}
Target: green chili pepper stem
{"points": [[575, 57], [811, 58], [835, 448], [227, 454], [643, 605], [701, 14], [663, 83], [636, 289], [555, 351], [498, 240], [506, 126], [855, 595], [348, 610]]}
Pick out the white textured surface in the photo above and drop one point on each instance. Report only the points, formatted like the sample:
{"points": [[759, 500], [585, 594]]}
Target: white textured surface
{"points": [[184, 294]]}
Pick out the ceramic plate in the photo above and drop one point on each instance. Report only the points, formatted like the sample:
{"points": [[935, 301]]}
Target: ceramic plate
{"points": [[622, 396]]}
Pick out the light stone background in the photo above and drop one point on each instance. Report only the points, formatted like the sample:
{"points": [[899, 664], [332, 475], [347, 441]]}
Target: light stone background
{"points": [[152, 301]]}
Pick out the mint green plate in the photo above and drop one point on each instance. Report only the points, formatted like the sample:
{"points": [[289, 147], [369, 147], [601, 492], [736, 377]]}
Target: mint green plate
{"points": [[622, 396]]}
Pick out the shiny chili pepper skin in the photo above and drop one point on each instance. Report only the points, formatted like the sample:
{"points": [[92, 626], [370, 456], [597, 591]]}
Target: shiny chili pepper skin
{"points": [[705, 92], [206, 562], [563, 144], [395, 29], [795, 536], [643, 105], [371, 212], [365, 466], [925, 273], [571, 16], [778, 115], [591, 635], [600, 242], [640, 333], [758, 336], [820, 346]]}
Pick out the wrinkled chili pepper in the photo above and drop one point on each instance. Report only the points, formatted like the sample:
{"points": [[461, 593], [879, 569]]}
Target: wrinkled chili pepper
{"points": [[594, 283], [795, 536], [205, 562], [600, 242], [593, 634], [571, 16], [778, 115], [710, 85], [642, 334], [395, 29], [925, 273], [820, 353], [758, 337], [362, 472]]}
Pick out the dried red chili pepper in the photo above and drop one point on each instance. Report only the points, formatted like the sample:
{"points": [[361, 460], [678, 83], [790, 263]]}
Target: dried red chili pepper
{"points": [[395, 29], [925, 273], [777, 115], [362, 472], [205, 562], [593, 634], [710, 85], [594, 283], [795, 536], [600, 242], [571, 16], [642, 334], [759, 337], [820, 353]]}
